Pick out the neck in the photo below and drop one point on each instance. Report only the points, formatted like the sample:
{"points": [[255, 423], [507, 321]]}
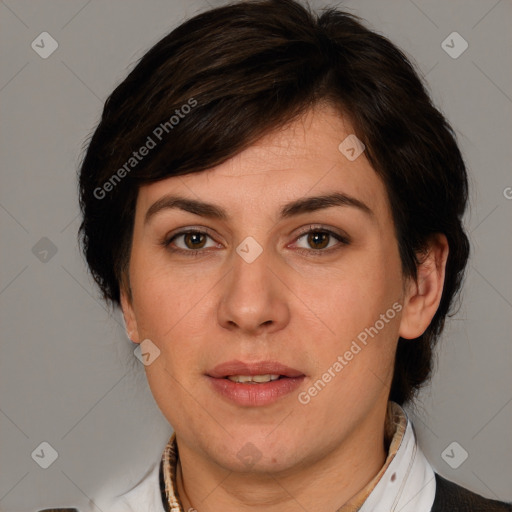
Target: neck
{"points": [[326, 484]]}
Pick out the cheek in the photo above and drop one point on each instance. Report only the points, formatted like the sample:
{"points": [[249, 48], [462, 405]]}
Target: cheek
{"points": [[363, 313], [355, 297], [173, 313], [164, 297], [361, 307]]}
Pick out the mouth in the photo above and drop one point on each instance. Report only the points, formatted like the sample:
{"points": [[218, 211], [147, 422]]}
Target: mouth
{"points": [[254, 379], [254, 384], [262, 371]]}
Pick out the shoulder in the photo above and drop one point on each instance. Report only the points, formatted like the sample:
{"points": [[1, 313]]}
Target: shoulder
{"points": [[451, 497]]}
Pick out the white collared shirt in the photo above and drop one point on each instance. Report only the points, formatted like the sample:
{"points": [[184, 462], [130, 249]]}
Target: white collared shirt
{"points": [[408, 484]]}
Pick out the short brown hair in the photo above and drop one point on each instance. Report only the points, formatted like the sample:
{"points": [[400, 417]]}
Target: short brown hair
{"points": [[244, 70]]}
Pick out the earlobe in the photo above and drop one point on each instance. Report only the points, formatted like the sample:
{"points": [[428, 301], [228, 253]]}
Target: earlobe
{"points": [[129, 318], [424, 294]]}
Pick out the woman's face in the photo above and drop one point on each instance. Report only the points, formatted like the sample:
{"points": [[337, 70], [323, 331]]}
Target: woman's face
{"points": [[262, 297]]}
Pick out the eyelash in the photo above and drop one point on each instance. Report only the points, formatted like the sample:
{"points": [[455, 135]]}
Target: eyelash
{"points": [[343, 239]]}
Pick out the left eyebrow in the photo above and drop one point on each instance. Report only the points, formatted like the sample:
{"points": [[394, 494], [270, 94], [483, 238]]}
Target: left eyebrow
{"points": [[311, 204], [297, 207]]}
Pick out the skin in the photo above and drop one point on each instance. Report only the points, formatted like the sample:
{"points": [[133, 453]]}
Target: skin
{"points": [[300, 309]]}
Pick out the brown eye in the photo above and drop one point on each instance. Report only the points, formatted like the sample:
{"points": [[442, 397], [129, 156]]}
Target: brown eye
{"points": [[191, 242], [318, 239], [194, 240]]}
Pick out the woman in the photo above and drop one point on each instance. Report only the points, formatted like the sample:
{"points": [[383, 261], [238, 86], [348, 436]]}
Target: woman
{"points": [[275, 204]]}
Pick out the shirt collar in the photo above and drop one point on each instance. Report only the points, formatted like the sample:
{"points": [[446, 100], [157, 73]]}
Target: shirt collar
{"points": [[406, 481]]}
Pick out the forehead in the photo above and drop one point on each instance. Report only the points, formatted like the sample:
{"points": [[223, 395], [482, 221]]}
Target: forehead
{"points": [[301, 159]]}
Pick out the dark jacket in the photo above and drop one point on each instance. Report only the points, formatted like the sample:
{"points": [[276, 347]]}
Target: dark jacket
{"points": [[451, 497]]}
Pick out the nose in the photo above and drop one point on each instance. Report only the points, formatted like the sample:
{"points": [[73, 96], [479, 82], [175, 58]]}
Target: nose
{"points": [[254, 298]]}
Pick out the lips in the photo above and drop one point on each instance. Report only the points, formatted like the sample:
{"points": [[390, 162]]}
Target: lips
{"points": [[236, 367], [254, 394]]}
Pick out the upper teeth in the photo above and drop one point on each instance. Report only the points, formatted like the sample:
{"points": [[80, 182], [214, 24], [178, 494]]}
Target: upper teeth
{"points": [[253, 378]]}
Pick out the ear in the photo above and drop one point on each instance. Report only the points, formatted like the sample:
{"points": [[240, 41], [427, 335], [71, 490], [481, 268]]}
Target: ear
{"points": [[129, 317], [423, 295]]}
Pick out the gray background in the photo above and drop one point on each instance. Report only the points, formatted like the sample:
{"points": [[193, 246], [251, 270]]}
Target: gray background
{"points": [[68, 375]]}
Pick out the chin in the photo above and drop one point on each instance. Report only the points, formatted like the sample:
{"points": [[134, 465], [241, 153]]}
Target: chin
{"points": [[250, 452]]}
